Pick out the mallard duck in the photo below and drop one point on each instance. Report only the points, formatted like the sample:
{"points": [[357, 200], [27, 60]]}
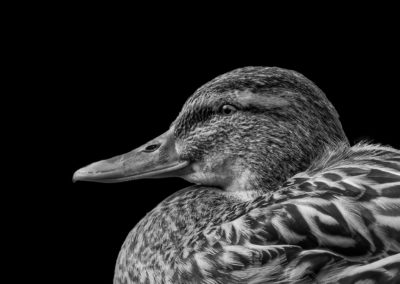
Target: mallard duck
{"points": [[279, 194]]}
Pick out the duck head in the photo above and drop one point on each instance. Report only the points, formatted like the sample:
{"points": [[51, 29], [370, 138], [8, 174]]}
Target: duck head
{"points": [[248, 129]]}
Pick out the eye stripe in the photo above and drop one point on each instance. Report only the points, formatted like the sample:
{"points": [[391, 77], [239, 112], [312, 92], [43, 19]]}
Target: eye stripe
{"points": [[268, 99], [199, 115]]}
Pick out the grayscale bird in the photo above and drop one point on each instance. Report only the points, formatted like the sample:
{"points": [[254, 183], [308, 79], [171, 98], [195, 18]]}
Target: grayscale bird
{"points": [[280, 196]]}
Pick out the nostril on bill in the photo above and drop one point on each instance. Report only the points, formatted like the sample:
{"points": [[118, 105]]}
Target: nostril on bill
{"points": [[152, 147]]}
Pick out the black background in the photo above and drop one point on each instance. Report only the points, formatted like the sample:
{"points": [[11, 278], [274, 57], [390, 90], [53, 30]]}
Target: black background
{"points": [[119, 80]]}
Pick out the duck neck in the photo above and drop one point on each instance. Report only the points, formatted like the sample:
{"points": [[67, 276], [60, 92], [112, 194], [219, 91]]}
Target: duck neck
{"points": [[267, 172]]}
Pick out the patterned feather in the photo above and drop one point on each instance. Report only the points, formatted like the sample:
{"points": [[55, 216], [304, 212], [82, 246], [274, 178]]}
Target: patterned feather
{"points": [[339, 221]]}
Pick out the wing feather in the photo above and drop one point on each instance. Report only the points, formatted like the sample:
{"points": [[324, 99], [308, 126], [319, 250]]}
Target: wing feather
{"points": [[321, 222]]}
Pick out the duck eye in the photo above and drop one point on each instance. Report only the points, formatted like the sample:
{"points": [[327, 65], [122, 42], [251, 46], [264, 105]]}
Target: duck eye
{"points": [[228, 109]]}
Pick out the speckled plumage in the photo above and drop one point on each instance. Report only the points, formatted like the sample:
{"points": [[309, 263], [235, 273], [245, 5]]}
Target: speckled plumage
{"points": [[282, 197]]}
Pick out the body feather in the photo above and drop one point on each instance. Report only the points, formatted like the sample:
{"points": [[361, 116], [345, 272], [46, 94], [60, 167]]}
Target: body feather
{"points": [[338, 221]]}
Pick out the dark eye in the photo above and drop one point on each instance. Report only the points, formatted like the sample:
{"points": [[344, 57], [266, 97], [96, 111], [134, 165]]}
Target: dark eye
{"points": [[228, 109]]}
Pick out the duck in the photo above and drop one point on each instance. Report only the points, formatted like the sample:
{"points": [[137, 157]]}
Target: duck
{"points": [[279, 195]]}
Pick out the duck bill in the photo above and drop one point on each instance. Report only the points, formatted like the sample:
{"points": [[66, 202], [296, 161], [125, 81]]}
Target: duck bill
{"points": [[156, 159]]}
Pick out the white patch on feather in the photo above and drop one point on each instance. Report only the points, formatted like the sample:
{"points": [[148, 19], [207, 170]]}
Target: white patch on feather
{"points": [[389, 221], [289, 235], [354, 270], [202, 262], [380, 186], [350, 212], [261, 274], [309, 215], [385, 203]]}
